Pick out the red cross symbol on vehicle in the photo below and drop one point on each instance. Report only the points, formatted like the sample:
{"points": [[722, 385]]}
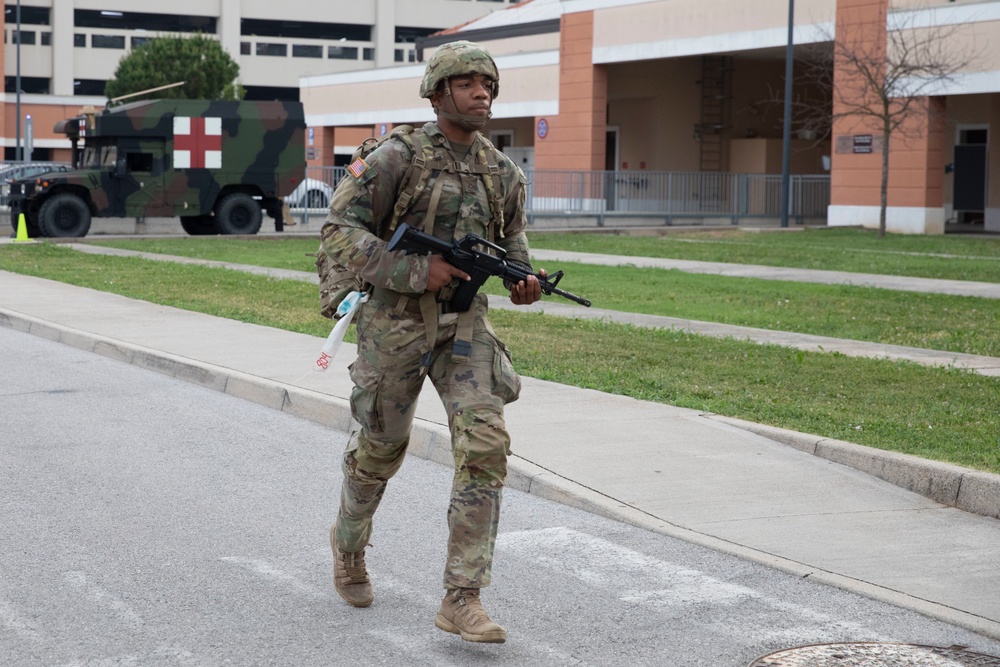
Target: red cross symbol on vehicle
{"points": [[197, 143]]}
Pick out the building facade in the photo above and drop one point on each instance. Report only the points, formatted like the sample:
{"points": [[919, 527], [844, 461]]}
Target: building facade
{"points": [[68, 49], [624, 87], [695, 86]]}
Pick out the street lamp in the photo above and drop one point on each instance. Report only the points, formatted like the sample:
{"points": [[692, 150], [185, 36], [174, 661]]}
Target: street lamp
{"points": [[786, 141], [17, 83]]}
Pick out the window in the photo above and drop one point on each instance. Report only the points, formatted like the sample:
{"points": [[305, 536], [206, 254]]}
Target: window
{"points": [[29, 15], [271, 49], [139, 161], [244, 48], [80, 41], [307, 51], [270, 93], [107, 41], [46, 39], [368, 54], [305, 30], [408, 35], [29, 84], [88, 87], [136, 42], [342, 52], [155, 23], [27, 36]]}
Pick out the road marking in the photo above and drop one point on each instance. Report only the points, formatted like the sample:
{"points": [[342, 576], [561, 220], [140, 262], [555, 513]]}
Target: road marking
{"points": [[640, 579], [266, 571], [121, 609], [163, 655], [22, 627]]}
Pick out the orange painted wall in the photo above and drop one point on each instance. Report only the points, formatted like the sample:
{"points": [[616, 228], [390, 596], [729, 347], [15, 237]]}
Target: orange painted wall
{"points": [[916, 153], [576, 137], [855, 178]]}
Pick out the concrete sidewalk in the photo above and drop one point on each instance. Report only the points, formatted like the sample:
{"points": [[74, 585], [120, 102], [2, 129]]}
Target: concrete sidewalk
{"points": [[775, 497]]}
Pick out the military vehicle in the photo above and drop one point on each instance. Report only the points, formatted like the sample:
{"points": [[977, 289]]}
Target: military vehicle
{"points": [[216, 165]]}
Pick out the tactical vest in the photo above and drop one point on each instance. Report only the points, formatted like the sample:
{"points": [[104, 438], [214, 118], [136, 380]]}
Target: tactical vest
{"points": [[337, 281]]}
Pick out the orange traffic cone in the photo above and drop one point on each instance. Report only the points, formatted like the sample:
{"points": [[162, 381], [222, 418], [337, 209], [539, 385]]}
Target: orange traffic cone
{"points": [[22, 230]]}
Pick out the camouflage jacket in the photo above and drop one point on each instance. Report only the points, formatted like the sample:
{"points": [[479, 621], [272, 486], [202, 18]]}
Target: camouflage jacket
{"points": [[363, 203]]}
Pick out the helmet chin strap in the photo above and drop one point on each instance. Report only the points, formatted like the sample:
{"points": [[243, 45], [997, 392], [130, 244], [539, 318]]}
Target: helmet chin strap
{"points": [[468, 122]]}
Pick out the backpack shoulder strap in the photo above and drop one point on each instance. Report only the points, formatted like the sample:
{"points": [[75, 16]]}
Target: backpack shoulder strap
{"points": [[415, 179], [494, 189]]}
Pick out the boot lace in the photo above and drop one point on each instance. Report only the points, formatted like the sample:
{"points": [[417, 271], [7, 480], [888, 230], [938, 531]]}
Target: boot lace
{"points": [[470, 607], [354, 566]]}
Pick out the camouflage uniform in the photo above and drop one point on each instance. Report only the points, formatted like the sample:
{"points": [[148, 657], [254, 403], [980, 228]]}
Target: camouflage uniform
{"points": [[391, 365]]}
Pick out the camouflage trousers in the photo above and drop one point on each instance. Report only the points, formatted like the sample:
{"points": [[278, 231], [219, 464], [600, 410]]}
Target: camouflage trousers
{"points": [[388, 375]]}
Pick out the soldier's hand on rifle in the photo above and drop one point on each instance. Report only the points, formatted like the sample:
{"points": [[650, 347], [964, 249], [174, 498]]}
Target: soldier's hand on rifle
{"points": [[441, 273], [526, 292]]}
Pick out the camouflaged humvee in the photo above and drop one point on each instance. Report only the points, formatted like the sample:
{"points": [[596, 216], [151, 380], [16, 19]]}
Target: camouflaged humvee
{"points": [[217, 165]]}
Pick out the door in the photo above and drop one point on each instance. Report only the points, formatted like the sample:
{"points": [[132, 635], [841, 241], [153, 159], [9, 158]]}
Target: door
{"points": [[970, 177], [611, 167]]}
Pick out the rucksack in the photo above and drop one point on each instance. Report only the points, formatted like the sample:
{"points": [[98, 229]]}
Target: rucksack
{"points": [[337, 281]]}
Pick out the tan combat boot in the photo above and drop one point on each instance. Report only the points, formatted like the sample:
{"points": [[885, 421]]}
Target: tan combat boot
{"points": [[462, 613], [350, 577]]}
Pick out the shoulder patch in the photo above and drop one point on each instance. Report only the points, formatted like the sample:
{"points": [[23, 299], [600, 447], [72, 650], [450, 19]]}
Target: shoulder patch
{"points": [[358, 167]]}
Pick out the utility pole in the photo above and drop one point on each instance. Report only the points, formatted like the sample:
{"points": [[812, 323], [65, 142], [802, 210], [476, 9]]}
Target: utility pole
{"points": [[786, 145]]}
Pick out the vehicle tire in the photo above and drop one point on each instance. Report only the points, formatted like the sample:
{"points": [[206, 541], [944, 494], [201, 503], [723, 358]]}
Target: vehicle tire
{"points": [[238, 213], [316, 199], [199, 225], [31, 224], [64, 215]]}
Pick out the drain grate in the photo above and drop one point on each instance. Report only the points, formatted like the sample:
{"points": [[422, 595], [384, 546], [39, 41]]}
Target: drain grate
{"points": [[875, 654]]}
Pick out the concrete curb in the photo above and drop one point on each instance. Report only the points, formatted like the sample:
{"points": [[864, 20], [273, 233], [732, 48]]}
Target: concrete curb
{"points": [[963, 488], [969, 490]]}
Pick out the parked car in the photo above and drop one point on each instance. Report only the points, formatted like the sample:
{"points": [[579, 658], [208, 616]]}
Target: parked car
{"points": [[311, 193], [12, 171]]}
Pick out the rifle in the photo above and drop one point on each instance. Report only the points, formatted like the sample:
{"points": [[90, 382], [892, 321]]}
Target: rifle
{"points": [[466, 255]]}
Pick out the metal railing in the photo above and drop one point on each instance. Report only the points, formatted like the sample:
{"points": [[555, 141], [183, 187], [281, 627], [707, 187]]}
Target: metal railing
{"points": [[666, 196], [672, 195]]}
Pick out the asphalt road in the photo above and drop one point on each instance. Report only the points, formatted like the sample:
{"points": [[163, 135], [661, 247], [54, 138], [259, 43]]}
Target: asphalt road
{"points": [[151, 522]]}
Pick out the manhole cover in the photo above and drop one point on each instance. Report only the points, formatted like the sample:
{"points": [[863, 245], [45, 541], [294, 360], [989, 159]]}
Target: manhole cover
{"points": [[875, 654]]}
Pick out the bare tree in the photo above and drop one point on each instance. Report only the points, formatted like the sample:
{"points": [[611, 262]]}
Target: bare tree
{"points": [[888, 80]]}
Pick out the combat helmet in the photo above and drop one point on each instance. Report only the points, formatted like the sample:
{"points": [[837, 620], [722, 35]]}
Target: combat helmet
{"points": [[456, 59]]}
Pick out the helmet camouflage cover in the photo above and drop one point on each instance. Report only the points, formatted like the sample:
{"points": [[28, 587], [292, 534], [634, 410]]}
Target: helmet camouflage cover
{"points": [[456, 59]]}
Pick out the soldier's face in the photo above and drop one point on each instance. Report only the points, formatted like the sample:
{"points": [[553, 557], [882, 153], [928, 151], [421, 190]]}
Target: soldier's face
{"points": [[471, 93]]}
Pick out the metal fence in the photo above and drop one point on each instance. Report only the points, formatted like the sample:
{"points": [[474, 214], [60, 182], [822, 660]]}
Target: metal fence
{"points": [[660, 196], [672, 195]]}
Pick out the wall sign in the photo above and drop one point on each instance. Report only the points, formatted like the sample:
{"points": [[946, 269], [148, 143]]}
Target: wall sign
{"points": [[543, 128], [858, 143]]}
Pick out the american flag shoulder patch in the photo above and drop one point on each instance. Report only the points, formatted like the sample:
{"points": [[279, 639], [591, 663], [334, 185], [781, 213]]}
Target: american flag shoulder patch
{"points": [[358, 167]]}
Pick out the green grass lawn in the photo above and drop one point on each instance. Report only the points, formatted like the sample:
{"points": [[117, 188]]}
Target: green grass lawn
{"points": [[933, 321], [942, 414], [845, 249]]}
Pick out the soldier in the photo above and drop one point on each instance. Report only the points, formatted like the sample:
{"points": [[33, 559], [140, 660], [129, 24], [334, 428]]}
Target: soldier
{"points": [[405, 336]]}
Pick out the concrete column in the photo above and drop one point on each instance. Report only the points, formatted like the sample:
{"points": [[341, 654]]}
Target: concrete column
{"points": [[575, 139], [916, 153], [385, 33], [230, 14], [62, 47]]}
